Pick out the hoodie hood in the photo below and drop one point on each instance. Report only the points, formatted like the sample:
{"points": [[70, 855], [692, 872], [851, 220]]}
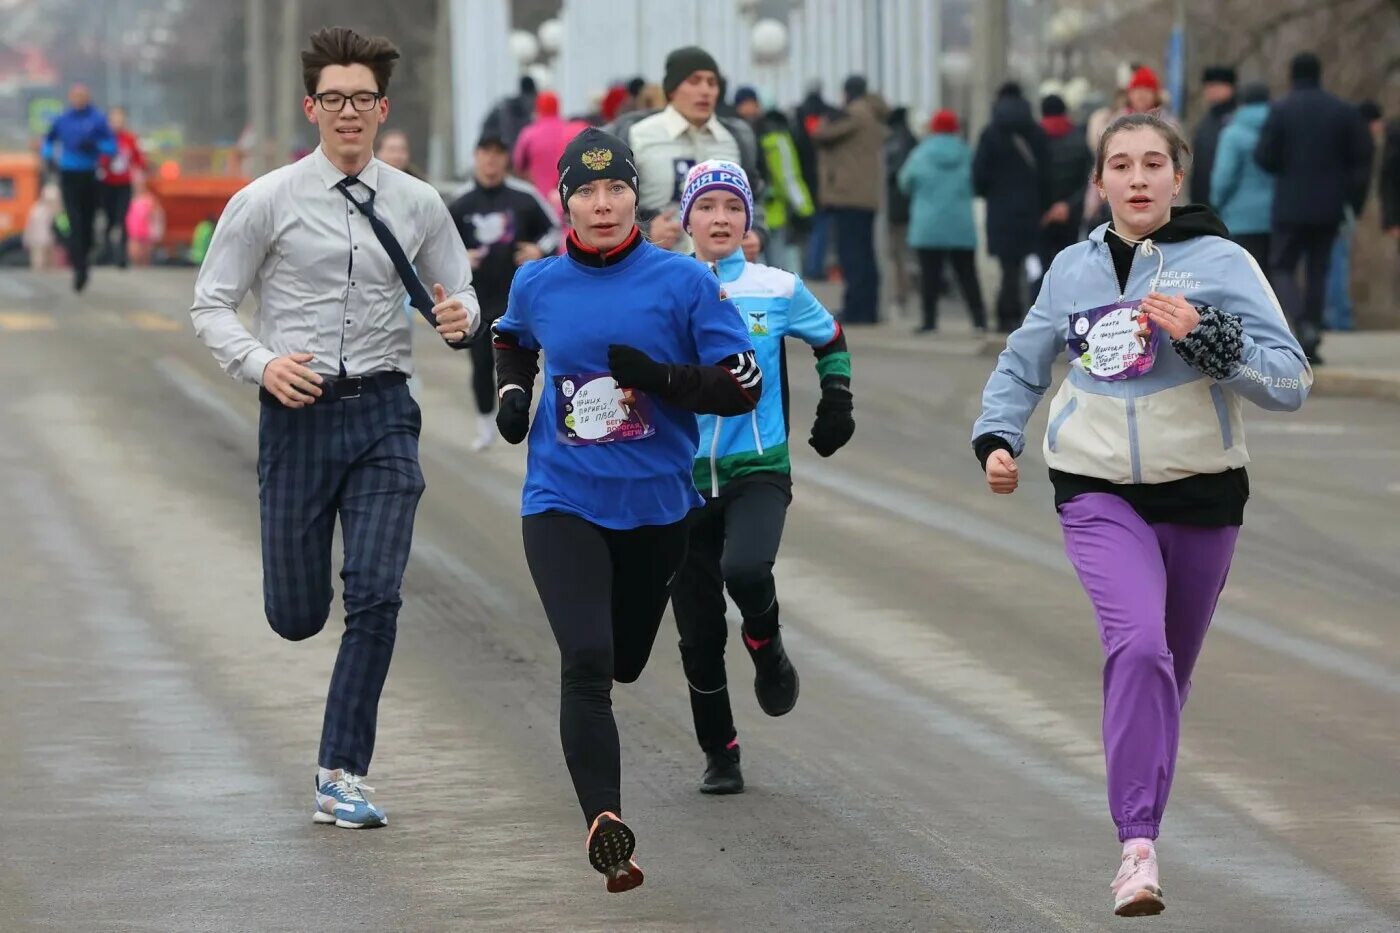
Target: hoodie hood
{"points": [[1186, 223]]}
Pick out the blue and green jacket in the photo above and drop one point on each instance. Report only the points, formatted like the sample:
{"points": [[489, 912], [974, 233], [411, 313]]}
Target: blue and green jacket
{"points": [[774, 304]]}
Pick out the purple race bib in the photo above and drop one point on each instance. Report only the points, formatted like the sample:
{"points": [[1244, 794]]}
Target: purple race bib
{"points": [[1116, 341], [592, 409]]}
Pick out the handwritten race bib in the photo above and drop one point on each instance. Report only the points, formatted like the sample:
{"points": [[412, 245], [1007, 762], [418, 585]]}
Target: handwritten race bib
{"points": [[1116, 341], [592, 409]]}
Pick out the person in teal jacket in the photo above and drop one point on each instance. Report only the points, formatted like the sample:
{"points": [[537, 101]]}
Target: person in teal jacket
{"points": [[937, 176], [743, 471], [1241, 190]]}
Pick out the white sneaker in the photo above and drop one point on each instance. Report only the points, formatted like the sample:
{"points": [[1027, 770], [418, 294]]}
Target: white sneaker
{"points": [[485, 432], [1136, 891]]}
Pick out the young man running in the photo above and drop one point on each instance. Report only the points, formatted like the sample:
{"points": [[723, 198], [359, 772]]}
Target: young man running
{"points": [[743, 471], [326, 246]]}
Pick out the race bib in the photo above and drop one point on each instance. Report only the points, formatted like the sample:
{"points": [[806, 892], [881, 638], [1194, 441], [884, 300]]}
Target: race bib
{"points": [[591, 408], [682, 169], [1116, 341]]}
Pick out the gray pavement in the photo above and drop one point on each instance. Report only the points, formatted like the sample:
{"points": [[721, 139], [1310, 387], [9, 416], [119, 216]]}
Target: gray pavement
{"points": [[942, 772]]}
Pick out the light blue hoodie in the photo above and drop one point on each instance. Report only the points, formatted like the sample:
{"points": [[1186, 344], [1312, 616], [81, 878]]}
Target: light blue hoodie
{"points": [[1242, 192], [1171, 422]]}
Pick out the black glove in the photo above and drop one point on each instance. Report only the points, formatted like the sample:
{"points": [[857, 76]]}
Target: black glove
{"points": [[834, 425], [633, 369], [513, 416]]}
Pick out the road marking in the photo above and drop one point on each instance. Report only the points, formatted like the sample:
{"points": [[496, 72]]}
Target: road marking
{"points": [[26, 320], [149, 320]]}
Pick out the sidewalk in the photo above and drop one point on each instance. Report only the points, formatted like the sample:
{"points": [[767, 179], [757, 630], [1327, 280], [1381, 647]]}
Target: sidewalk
{"points": [[1360, 364]]}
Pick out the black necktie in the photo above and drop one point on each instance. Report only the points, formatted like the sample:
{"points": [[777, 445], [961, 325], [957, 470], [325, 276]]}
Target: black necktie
{"points": [[417, 293]]}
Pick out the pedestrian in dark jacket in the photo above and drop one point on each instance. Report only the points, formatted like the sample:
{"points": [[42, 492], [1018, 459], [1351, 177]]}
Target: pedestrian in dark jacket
{"points": [[1316, 146], [1218, 91], [512, 115], [1012, 172], [898, 145], [1390, 181], [1071, 163], [809, 115]]}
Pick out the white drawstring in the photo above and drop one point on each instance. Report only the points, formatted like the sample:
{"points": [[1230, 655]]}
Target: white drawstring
{"points": [[1148, 248]]}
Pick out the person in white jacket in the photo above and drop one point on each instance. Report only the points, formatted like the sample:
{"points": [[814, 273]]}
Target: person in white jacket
{"points": [[1169, 327]]}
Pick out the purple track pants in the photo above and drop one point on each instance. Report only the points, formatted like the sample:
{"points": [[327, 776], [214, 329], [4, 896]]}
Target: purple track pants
{"points": [[1154, 590]]}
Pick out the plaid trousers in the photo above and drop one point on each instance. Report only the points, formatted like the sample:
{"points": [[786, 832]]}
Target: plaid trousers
{"points": [[356, 459]]}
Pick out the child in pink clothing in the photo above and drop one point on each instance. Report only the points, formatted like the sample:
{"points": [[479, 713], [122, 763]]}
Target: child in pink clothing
{"points": [[145, 223], [540, 145]]}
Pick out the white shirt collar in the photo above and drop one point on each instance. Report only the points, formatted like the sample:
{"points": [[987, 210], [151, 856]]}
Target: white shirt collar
{"points": [[676, 124], [331, 176]]}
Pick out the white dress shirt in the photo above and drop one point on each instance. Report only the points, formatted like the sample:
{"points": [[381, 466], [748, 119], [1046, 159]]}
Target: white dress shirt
{"points": [[323, 283]]}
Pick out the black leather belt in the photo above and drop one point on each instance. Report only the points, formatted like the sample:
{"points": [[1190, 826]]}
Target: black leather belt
{"points": [[350, 387]]}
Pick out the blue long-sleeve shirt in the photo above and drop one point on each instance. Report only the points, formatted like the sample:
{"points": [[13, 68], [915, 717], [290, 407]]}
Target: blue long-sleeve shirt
{"points": [[80, 138]]}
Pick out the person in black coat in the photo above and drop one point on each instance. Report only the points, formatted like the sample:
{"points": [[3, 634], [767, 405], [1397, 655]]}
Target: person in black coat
{"points": [[1218, 90], [1317, 147], [898, 145], [1011, 170], [1390, 181], [1071, 164]]}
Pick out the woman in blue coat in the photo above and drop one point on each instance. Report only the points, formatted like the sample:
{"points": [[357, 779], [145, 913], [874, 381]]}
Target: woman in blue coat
{"points": [[1241, 190], [937, 176]]}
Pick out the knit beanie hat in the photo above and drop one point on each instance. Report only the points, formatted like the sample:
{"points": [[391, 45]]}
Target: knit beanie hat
{"points": [[944, 121], [1145, 77], [684, 62], [591, 155], [716, 175]]}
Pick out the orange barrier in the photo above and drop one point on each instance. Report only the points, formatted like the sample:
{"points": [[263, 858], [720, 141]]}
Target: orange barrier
{"points": [[19, 189], [190, 199]]}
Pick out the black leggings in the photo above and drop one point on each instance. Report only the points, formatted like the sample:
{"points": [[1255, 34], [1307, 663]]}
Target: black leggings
{"points": [[931, 283], [604, 592], [733, 542]]}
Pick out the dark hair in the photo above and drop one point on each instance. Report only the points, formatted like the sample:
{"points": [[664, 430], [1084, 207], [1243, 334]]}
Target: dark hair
{"points": [[1053, 105], [1369, 110], [1177, 147], [1010, 89], [1306, 67], [1255, 92], [528, 88], [343, 46]]}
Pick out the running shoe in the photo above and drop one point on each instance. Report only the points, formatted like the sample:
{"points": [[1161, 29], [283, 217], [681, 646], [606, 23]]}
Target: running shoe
{"points": [[340, 799], [722, 774], [775, 679], [1136, 892], [610, 848]]}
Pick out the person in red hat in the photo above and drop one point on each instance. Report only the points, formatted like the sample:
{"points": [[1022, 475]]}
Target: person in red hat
{"points": [[937, 176], [1144, 91], [540, 145]]}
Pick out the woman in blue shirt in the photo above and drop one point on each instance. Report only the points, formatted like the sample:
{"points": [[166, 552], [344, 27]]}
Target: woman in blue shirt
{"points": [[636, 341]]}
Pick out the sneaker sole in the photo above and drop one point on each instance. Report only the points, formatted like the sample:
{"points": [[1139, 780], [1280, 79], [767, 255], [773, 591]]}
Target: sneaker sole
{"points": [[325, 819], [610, 851], [1141, 904]]}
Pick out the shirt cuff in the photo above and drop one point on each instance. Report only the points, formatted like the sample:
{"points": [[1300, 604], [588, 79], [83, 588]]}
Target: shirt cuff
{"points": [[255, 362]]}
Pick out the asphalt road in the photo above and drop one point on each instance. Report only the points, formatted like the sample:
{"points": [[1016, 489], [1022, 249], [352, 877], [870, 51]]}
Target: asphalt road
{"points": [[942, 772]]}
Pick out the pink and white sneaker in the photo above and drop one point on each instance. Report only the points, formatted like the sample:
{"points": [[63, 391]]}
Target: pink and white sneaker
{"points": [[1136, 892]]}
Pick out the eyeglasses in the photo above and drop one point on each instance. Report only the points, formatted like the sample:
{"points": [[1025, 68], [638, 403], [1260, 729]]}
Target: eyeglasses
{"points": [[332, 102]]}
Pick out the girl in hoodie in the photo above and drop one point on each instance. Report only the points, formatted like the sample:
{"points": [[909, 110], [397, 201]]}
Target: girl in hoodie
{"points": [[1145, 446], [937, 176]]}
